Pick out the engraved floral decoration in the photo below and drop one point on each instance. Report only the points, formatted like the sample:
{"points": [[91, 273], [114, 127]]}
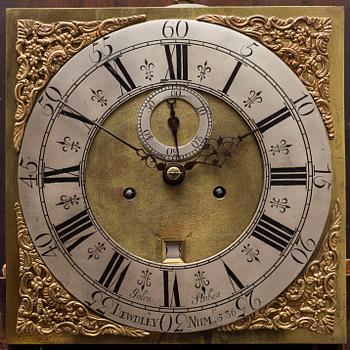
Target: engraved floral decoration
{"points": [[46, 307], [310, 301], [300, 42], [43, 48]]}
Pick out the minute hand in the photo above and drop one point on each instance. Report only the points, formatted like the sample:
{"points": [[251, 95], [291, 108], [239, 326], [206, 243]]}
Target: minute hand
{"points": [[150, 160]]}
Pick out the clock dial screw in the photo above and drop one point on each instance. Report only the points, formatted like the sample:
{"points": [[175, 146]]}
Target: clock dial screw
{"points": [[129, 193], [174, 173], [219, 192]]}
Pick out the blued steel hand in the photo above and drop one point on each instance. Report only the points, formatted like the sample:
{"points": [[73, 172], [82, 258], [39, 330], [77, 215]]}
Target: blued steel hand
{"points": [[149, 158], [174, 123], [216, 151]]}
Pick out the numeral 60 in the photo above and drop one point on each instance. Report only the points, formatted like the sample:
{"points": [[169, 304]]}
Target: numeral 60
{"points": [[180, 29]]}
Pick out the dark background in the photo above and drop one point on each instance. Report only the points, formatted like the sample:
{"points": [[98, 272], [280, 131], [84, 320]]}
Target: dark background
{"points": [[139, 3]]}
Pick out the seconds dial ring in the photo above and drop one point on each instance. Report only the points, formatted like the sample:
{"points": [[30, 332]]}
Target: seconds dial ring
{"points": [[172, 93]]}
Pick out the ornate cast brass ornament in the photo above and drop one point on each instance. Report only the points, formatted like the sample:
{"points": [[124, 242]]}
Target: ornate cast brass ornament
{"points": [[46, 307], [300, 42], [309, 302], [43, 48]]}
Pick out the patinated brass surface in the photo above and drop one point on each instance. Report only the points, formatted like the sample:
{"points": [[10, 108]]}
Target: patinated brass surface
{"points": [[188, 212], [336, 104]]}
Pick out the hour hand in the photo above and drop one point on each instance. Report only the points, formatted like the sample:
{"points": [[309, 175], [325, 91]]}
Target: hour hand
{"points": [[216, 151]]}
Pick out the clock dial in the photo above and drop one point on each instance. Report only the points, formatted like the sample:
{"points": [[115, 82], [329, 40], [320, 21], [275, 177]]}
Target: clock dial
{"points": [[217, 245]]}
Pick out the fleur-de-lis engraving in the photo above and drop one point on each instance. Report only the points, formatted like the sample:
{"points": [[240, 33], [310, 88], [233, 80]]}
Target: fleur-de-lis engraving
{"points": [[98, 97], [253, 98], [148, 69], [96, 251], [250, 253], [69, 145], [201, 281], [204, 69], [68, 201], [282, 147], [145, 279], [280, 203]]}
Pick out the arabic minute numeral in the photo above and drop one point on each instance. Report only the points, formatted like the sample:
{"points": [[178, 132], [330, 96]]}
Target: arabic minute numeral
{"points": [[319, 180], [50, 94], [304, 105], [100, 50], [178, 29], [247, 301], [247, 51], [302, 249], [32, 176], [45, 244]]}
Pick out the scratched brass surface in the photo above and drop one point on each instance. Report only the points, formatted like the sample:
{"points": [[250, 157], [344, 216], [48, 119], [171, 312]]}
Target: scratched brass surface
{"points": [[337, 145]]}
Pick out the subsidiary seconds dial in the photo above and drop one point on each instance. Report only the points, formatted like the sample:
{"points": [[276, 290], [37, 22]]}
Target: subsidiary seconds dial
{"points": [[196, 109]]}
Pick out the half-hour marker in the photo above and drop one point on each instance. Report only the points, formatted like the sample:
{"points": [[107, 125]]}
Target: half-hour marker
{"points": [[273, 119], [288, 176], [178, 68], [234, 280], [110, 277], [232, 77], [69, 174], [69, 231], [117, 69], [273, 233], [171, 291]]}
